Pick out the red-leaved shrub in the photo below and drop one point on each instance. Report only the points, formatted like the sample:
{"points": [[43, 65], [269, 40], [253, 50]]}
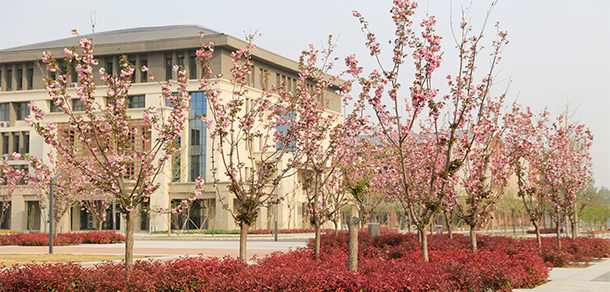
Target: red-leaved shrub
{"points": [[61, 239]]}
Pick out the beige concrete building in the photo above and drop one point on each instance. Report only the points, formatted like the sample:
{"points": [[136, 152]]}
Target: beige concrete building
{"points": [[158, 48]]}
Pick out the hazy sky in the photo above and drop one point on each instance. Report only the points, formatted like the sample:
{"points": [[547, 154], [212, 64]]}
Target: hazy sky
{"points": [[559, 51]]}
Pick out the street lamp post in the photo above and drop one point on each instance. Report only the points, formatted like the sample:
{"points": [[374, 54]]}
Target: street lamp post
{"points": [[51, 212]]}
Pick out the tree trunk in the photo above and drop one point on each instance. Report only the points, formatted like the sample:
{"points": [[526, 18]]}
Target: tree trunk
{"points": [[424, 243], [318, 239], [129, 222], [574, 220], [493, 227], [352, 258], [243, 236], [537, 228], [514, 223], [448, 221], [558, 231], [336, 228], [473, 239]]}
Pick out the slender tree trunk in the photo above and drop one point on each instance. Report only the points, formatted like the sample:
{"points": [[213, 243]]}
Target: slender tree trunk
{"points": [[514, 223], [537, 228], [352, 258], [336, 228], [574, 220], [473, 239], [129, 222], [243, 237], [318, 240], [567, 222], [493, 227], [424, 243], [448, 221], [558, 231]]}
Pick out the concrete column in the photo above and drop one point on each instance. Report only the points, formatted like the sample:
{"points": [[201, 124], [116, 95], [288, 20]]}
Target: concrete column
{"points": [[3, 77], [14, 77]]}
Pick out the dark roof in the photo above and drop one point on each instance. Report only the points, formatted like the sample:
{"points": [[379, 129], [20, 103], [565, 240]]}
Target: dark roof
{"points": [[124, 36]]}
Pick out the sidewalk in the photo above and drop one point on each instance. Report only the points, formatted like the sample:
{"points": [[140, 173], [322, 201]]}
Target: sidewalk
{"points": [[153, 246], [595, 278]]}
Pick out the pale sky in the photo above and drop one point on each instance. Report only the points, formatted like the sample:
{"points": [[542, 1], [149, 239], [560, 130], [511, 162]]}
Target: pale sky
{"points": [[559, 51]]}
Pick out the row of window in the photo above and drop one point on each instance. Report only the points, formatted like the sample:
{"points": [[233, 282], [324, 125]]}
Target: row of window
{"points": [[15, 142], [22, 110], [19, 79]]}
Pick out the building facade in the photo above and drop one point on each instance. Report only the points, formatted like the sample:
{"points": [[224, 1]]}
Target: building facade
{"points": [[159, 49]]}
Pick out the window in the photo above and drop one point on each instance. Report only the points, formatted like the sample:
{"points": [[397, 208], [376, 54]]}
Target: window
{"points": [[136, 101], [77, 105], [197, 135], [176, 162], [55, 108], [30, 78], [16, 142], [143, 75], [5, 143], [5, 112], [109, 66], [9, 80], [22, 110], [26, 143], [284, 129], [19, 79], [193, 67], [168, 68]]}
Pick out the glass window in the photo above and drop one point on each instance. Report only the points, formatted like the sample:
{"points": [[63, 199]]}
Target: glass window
{"points": [[22, 110], [168, 68], [9, 80], [5, 143], [77, 105], [193, 67], [55, 108], [30, 78], [197, 136], [143, 75], [5, 112], [26, 143], [19, 79], [16, 143], [136, 101]]}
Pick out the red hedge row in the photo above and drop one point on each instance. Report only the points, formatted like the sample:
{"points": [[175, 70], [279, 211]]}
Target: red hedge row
{"points": [[73, 238], [389, 262], [455, 270], [283, 231]]}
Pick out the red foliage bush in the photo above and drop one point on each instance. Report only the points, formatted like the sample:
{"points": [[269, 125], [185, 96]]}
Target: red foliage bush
{"points": [[388, 262], [283, 231], [61, 239], [545, 231]]}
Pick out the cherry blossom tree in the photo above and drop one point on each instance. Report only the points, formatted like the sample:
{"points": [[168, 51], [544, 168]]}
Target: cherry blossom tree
{"points": [[117, 157], [444, 117], [236, 122], [360, 168], [484, 174], [525, 142], [321, 136], [567, 167]]}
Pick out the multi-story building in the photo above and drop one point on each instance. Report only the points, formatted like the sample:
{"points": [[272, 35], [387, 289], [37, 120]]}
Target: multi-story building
{"points": [[158, 48]]}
